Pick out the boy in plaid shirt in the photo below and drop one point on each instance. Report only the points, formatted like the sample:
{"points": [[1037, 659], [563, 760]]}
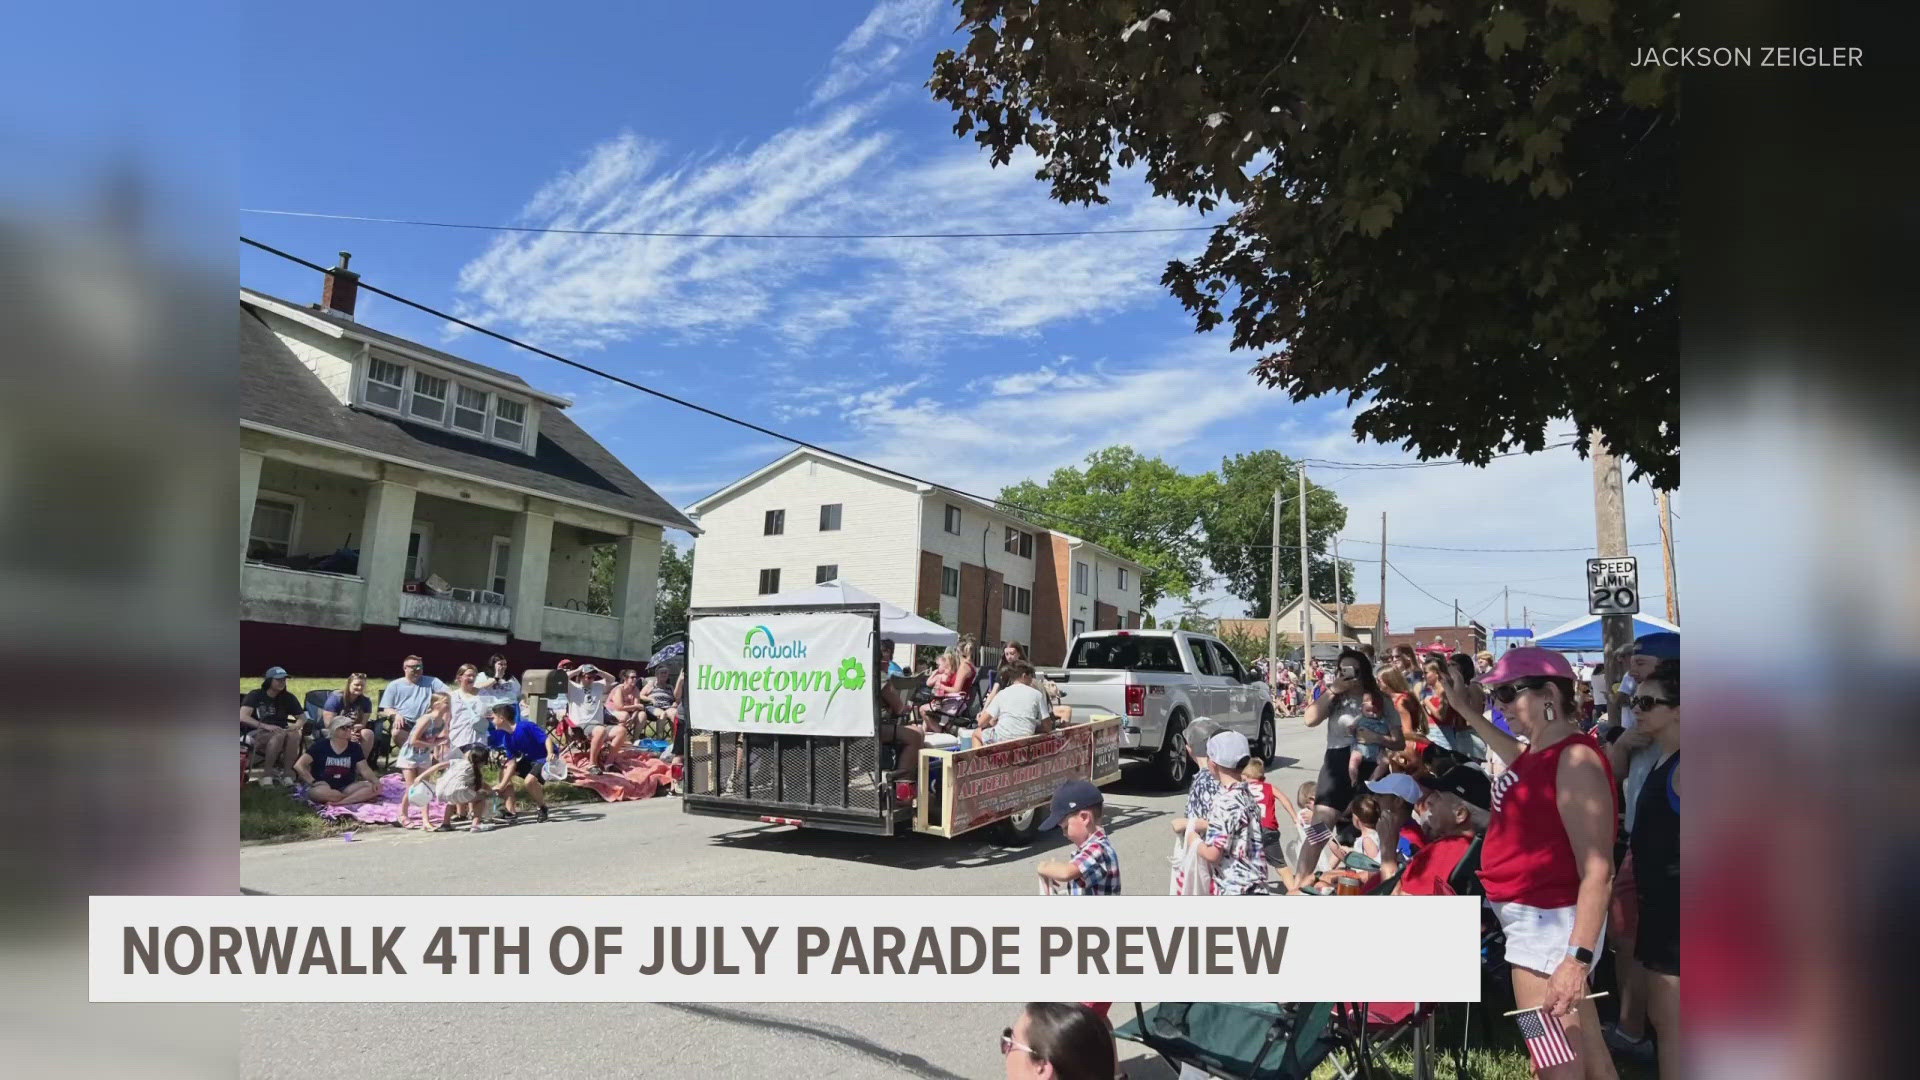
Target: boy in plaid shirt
{"points": [[1094, 869]]}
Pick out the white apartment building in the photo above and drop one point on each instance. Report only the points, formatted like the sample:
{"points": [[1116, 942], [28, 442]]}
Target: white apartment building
{"points": [[812, 517]]}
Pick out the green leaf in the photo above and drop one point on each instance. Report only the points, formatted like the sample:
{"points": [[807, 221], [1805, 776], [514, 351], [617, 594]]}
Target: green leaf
{"points": [[1507, 31], [1427, 15]]}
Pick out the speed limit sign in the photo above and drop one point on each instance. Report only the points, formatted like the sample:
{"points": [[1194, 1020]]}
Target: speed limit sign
{"points": [[1613, 586]]}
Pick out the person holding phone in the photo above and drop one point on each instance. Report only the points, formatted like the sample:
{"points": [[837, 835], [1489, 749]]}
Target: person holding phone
{"points": [[1547, 861], [1352, 695]]}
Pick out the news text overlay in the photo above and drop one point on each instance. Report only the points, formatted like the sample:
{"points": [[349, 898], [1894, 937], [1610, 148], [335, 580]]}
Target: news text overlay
{"points": [[779, 948]]}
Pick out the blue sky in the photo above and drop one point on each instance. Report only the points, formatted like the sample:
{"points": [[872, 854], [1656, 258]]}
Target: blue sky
{"points": [[975, 363]]}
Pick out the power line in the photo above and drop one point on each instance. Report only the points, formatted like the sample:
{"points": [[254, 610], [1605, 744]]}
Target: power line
{"points": [[1415, 584], [669, 235], [1387, 466]]}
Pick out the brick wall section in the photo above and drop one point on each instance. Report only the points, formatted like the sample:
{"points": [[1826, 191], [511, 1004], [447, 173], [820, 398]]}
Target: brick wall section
{"points": [[1459, 638], [927, 595], [995, 638], [1050, 582], [980, 586], [1105, 616], [1133, 620]]}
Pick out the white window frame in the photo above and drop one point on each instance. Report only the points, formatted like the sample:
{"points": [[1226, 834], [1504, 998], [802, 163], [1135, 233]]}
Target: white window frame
{"points": [[773, 523], [424, 558], [955, 571], [494, 420], [1121, 573], [293, 529], [490, 423], [1079, 627], [839, 516], [414, 394], [498, 569], [761, 586], [1081, 572], [954, 521], [400, 391], [821, 574], [454, 408]]}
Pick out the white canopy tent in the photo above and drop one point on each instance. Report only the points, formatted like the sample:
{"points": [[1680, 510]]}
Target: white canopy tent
{"points": [[897, 624]]}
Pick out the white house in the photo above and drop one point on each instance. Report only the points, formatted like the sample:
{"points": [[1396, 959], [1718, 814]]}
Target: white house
{"points": [[811, 517], [373, 467]]}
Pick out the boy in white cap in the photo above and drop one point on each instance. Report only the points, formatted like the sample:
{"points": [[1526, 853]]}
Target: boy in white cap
{"points": [[1233, 841]]}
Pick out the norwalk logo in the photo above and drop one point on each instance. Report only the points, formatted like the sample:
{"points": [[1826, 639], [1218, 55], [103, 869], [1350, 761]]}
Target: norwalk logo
{"points": [[792, 650]]}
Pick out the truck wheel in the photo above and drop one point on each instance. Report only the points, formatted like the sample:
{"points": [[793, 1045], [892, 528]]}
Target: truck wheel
{"points": [[1263, 746], [1020, 829], [1173, 765]]}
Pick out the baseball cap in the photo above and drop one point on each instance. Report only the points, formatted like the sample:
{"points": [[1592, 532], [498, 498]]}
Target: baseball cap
{"points": [[1073, 795], [276, 673], [1228, 749], [1664, 645], [1468, 783], [1397, 784], [1527, 661]]}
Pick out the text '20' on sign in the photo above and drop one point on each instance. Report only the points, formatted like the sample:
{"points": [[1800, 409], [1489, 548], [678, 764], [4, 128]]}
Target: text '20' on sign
{"points": [[1613, 586]]}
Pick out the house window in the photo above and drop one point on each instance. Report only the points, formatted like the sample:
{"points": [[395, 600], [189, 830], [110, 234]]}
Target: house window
{"points": [[1019, 543], [776, 523], [949, 581], [769, 582], [953, 520], [429, 401], [272, 532], [470, 409], [419, 547], [1080, 578], [1016, 599], [502, 558], [830, 517], [1120, 576], [509, 421], [826, 573], [386, 382], [1079, 627]]}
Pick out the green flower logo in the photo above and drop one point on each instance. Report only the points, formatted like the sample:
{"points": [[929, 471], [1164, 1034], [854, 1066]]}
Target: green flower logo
{"points": [[852, 677]]}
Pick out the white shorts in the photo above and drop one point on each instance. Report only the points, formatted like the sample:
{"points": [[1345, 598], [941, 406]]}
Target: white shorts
{"points": [[1537, 938]]}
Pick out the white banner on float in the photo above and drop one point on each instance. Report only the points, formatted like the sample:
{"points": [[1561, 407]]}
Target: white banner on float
{"points": [[781, 948], [800, 674]]}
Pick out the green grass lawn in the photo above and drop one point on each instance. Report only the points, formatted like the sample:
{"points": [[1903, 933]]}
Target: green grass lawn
{"points": [[1502, 1055], [271, 814]]}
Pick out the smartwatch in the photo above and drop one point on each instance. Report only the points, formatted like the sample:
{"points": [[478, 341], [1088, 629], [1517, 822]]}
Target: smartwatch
{"points": [[1585, 956]]}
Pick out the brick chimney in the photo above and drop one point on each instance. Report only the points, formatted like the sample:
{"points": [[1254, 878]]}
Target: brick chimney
{"points": [[342, 288]]}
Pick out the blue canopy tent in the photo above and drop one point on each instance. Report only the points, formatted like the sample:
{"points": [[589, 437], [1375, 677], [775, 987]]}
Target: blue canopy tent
{"points": [[1510, 638], [1584, 635]]}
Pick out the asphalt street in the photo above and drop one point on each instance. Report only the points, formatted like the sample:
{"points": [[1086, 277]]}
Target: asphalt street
{"points": [[655, 848]]}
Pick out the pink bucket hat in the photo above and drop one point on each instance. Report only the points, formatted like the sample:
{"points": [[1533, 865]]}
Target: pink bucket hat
{"points": [[1527, 662]]}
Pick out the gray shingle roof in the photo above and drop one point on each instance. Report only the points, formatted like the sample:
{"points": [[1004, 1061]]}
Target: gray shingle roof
{"points": [[278, 391]]}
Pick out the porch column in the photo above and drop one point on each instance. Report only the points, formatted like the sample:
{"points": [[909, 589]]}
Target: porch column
{"points": [[383, 548], [527, 576], [636, 582], [250, 463]]}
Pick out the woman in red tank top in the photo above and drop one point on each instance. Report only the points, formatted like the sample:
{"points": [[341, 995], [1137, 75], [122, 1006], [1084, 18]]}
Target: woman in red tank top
{"points": [[1547, 860]]}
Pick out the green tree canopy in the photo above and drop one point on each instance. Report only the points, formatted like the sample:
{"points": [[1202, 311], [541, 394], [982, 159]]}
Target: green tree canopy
{"points": [[1465, 214], [1239, 527], [1146, 509]]}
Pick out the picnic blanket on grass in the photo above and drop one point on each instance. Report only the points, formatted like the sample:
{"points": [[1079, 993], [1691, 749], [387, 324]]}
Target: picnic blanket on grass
{"points": [[382, 811], [628, 774]]}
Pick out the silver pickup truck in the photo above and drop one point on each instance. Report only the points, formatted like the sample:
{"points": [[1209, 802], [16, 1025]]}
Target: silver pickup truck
{"points": [[1157, 681]]}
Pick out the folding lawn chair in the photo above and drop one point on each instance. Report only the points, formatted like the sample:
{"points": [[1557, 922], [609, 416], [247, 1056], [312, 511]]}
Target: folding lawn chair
{"points": [[1372, 1028], [1237, 1040]]}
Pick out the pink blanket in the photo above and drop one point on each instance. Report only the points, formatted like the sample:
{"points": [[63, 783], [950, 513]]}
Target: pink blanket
{"points": [[629, 774], [384, 810]]}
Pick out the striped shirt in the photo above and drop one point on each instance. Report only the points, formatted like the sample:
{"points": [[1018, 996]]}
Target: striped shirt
{"points": [[1099, 867], [1233, 827]]}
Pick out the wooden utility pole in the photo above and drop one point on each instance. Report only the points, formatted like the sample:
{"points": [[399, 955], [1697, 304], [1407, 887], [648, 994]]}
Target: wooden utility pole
{"points": [[1506, 608], [1666, 553], [1381, 645], [1610, 534], [1306, 582], [1273, 595], [1339, 598]]}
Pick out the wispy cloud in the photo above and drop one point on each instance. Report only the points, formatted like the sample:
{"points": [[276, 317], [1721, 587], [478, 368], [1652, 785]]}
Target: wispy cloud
{"points": [[876, 46]]}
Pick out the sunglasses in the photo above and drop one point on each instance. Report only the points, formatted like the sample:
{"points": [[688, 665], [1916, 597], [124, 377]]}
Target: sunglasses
{"points": [[1642, 704], [1505, 693], [1008, 1046]]}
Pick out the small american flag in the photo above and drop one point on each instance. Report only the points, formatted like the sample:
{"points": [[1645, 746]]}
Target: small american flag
{"points": [[1546, 1040]]}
